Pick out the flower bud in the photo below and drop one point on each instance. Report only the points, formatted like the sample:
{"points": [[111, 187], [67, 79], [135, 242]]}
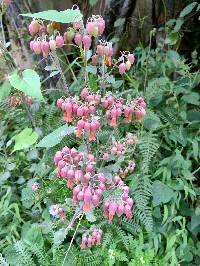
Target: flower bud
{"points": [[122, 68], [52, 45], [78, 39], [131, 58], [95, 59], [59, 41], [37, 47], [87, 41]]}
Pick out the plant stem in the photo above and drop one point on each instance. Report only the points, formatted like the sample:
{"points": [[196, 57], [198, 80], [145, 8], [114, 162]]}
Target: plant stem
{"points": [[72, 239], [57, 63], [28, 112]]}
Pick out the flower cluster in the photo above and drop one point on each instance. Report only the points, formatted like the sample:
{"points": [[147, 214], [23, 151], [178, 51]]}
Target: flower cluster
{"points": [[91, 184], [127, 170], [57, 211], [94, 27], [16, 100], [88, 185], [109, 107], [90, 238], [48, 38], [120, 203], [126, 59], [44, 40]]}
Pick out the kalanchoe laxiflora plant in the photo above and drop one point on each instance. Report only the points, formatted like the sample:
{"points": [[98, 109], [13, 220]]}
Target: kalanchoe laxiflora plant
{"points": [[91, 113]]}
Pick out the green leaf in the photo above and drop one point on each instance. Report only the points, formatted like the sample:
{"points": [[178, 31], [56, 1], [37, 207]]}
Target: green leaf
{"points": [[91, 69], [119, 22], [28, 82], [193, 115], [195, 221], [111, 79], [187, 9], [90, 216], [151, 121], [93, 83], [25, 139], [192, 98], [66, 16], [117, 84], [179, 23], [161, 193], [93, 2], [27, 197], [5, 90], [56, 136], [32, 234], [172, 38], [59, 236]]}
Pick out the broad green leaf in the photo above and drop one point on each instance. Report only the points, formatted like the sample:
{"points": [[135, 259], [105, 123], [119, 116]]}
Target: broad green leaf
{"points": [[119, 22], [170, 242], [192, 98], [187, 9], [27, 197], [25, 139], [5, 90], [56, 136], [66, 16], [161, 193], [28, 82], [151, 121], [193, 115]]}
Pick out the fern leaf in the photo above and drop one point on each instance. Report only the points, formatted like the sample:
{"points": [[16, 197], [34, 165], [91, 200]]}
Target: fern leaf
{"points": [[142, 194], [148, 147], [25, 258], [39, 253]]}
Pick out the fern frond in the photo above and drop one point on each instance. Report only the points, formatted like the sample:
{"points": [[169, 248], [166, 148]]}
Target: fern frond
{"points": [[121, 235], [107, 240], [24, 255], [132, 226], [148, 147], [142, 194], [39, 253]]}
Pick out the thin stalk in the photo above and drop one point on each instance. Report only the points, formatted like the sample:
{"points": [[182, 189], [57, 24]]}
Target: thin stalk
{"points": [[72, 240], [31, 118], [57, 63], [85, 65]]}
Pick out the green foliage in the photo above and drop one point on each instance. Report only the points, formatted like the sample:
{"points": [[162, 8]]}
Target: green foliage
{"points": [[25, 139], [28, 82], [165, 185], [66, 16], [56, 136], [5, 90]]}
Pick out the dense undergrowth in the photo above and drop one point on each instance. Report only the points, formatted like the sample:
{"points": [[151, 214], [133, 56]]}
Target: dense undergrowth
{"points": [[165, 184]]}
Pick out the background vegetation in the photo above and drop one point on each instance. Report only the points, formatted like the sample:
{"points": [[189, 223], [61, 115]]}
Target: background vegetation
{"points": [[165, 229]]}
